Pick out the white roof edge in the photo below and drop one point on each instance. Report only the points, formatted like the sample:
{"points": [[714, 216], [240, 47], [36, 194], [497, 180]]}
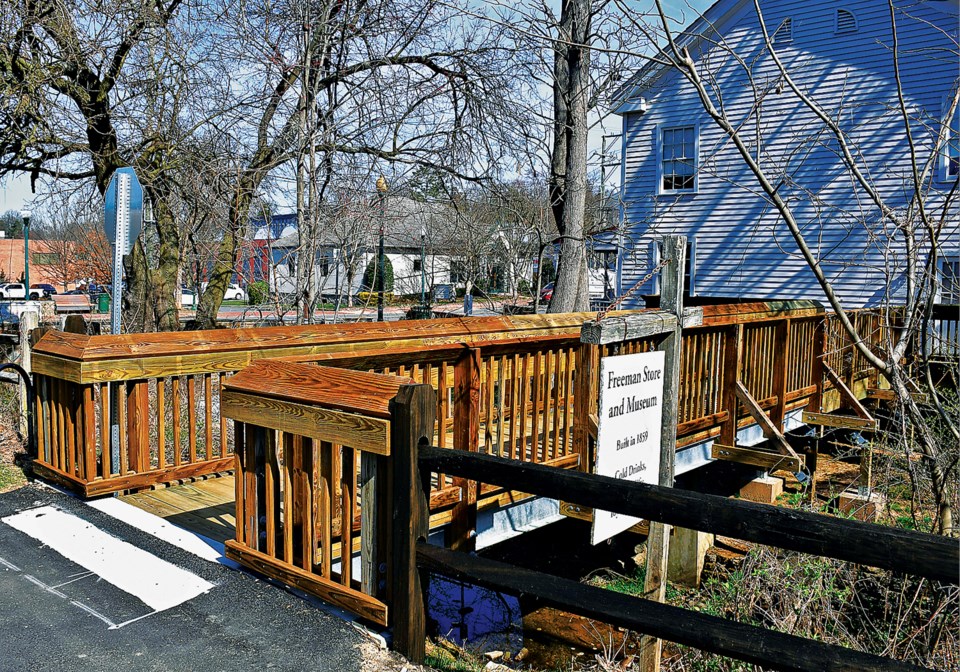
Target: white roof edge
{"points": [[631, 106], [712, 18]]}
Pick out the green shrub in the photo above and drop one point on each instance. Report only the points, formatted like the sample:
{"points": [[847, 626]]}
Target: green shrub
{"points": [[370, 275], [258, 292]]}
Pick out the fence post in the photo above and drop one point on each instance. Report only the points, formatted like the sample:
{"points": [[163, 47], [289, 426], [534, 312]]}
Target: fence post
{"points": [[466, 436], [412, 420], [658, 541], [29, 320]]}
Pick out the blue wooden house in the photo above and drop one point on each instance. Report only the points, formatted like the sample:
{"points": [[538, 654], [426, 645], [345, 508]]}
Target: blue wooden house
{"points": [[682, 174]]}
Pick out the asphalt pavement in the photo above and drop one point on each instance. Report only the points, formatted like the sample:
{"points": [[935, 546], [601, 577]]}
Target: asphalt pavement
{"points": [[81, 590]]}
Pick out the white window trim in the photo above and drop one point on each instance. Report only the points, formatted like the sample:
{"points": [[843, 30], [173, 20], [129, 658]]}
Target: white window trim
{"points": [[941, 274], [691, 290], [655, 258], [943, 160], [786, 26], [836, 22], [696, 159]]}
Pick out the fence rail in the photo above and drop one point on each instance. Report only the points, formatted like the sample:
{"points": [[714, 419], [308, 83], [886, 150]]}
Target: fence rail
{"points": [[508, 386], [915, 553]]}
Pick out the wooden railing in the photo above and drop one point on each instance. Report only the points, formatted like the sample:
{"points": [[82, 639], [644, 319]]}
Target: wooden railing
{"points": [[944, 334], [412, 459], [506, 386], [310, 494]]}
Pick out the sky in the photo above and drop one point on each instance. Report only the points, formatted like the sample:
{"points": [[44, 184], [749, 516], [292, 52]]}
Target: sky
{"points": [[15, 191]]}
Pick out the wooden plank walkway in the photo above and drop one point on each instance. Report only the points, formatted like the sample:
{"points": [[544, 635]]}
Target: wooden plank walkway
{"points": [[205, 506]]}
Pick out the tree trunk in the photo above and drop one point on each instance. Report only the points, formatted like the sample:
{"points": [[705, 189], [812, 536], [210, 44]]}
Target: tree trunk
{"points": [[569, 188]]}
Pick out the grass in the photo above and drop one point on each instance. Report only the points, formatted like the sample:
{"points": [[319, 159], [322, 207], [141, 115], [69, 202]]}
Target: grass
{"points": [[11, 477]]}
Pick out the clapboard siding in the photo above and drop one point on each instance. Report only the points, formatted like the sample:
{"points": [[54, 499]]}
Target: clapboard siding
{"points": [[742, 249]]}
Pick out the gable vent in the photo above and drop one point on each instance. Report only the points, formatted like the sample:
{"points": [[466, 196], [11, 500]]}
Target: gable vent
{"points": [[846, 21], [784, 33]]}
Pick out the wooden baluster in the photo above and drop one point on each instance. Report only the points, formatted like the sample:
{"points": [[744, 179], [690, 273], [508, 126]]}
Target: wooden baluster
{"points": [[374, 509], [40, 414], [569, 401], [239, 482], [588, 366], [325, 512], [525, 405], [161, 423], [271, 491], [502, 411], [106, 469], [192, 417], [58, 397], [69, 428], [89, 425], [535, 444], [732, 354], [224, 431], [349, 508], [289, 447], [516, 410], [780, 357], [208, 415], [304, 483], [558, 404], [138, 425], [122, 410], [487, 389], [549, 390], [175, 405]]}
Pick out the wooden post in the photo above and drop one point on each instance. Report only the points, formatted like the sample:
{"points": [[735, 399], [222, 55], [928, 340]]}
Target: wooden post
{"points": [[29, 320], [732, 351], [466, 435], [781, 360], [412, 421], [658, 542]]}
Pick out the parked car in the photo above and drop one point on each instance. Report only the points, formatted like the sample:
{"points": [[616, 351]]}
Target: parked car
{"points": [[16, 290], [235, 293], [49, 289]]}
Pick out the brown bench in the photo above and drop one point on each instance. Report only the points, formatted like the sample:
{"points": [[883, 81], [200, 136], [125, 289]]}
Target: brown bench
{"points": [[72, 303]]}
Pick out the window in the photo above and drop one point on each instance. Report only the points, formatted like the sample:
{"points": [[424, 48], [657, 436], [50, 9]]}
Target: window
{"points": [[44, 258], [784, 33], [458, 271], [950, 158], [689, 266], [417, 266], [845, 21], [950, 280], [678, 159]]}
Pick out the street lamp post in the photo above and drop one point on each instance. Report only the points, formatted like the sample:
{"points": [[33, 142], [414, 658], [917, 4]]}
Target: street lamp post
{"points": [[25, 214], [423, 268], [382, 189]]}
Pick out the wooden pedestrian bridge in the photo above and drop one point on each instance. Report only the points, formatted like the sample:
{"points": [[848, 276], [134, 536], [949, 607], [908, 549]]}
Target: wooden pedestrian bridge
{"points": [[306, 419]]}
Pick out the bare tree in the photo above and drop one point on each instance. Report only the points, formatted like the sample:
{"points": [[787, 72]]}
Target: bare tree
{"points": [[415, 83]]}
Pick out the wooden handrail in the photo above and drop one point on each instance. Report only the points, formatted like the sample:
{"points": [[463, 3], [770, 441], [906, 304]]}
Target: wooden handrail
{"points": [[915, 553], [86, 359], [927, 555]]}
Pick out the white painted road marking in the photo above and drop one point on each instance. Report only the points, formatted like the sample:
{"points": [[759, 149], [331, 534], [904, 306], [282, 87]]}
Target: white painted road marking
{"points": [[155, 582]]}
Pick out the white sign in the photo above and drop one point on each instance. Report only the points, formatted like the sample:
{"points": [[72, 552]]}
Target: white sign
{"points": [[628, 440]]}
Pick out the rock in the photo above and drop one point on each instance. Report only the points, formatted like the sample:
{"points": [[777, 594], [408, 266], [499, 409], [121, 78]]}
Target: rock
{"points": [[493, 655], [497, 667]]}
